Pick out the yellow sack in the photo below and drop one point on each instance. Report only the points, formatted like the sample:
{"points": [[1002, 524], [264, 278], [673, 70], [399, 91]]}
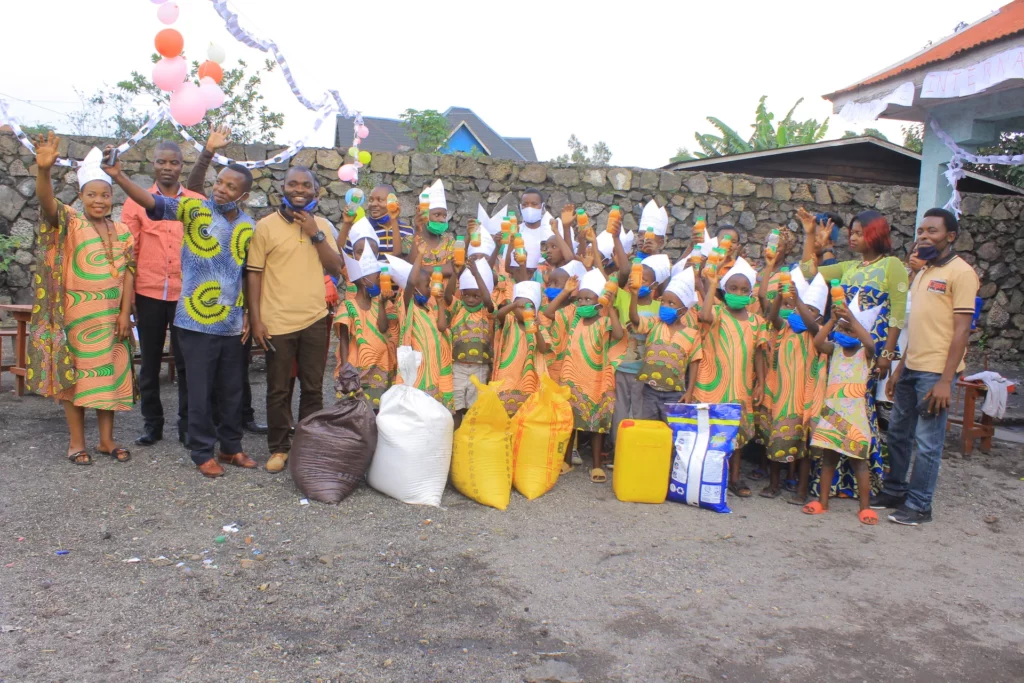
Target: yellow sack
{"points": [[482, 455], [540, 434]]}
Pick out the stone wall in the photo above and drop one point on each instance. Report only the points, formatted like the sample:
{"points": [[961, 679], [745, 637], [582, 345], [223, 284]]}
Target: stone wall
{"points": [[992, 239]]}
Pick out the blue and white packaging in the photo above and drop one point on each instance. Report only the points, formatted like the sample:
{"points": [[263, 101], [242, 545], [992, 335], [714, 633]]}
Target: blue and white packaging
{"points": [[703, 438]]}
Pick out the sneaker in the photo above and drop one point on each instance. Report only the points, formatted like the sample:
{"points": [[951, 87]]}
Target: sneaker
{"points": [[884, 501], [909, 517], [575, 458]]}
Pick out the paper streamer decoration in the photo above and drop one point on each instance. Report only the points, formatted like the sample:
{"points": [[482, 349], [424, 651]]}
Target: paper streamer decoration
{"points": [[955, 168]]}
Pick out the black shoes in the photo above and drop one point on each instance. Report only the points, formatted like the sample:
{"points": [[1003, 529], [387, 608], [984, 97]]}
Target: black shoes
{"points": [[909, 517], [884, 500], [254, 427], [149, 437]]}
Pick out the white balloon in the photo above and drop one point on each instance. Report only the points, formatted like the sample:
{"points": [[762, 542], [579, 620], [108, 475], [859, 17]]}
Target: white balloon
{"points": [[215, 53]]}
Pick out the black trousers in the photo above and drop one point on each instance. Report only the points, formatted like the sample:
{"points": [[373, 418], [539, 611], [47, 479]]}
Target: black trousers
{"points": [[215, 371], [248, 414], [307, 349], [152, 318]]}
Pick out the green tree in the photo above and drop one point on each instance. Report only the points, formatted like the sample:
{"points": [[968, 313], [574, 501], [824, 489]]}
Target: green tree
{"points": [[766, 134], [243, 109], [867, 132], [428, 129], [1010, 144], [580, 154], [913, 137]]}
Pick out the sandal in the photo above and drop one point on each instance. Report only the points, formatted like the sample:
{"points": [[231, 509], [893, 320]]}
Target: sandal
{"points": [[769, 492], [814, 508], [798, 500], [790, 485], [118, 454], [740, 489], [869, 517], [80, 458], [757, 474], [566, 468], [598, 476]]}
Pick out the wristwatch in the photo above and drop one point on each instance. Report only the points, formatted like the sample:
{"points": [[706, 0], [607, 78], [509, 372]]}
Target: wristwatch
{"points": [[318, 237]]}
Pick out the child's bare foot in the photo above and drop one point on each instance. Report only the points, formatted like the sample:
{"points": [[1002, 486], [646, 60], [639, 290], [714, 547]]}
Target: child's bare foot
{"points": [[769, 492]]}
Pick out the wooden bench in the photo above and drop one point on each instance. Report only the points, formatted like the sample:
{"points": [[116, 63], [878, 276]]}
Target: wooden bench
{"points": [[968, 393], [12, 334]]}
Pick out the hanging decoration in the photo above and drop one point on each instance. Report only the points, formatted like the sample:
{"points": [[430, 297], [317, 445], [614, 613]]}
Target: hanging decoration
{"points": [[955, 168]]}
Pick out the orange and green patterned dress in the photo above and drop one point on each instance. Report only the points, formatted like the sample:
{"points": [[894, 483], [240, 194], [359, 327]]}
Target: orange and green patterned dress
{"points": [[667, 354], [74, 353], [517, 364], [419, 330], [587, 370], [794, 391], [472, 333], [726, 371], [370, 351], [843, 424]]}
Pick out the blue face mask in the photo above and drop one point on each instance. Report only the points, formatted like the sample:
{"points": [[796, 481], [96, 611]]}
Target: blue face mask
{"points": [[307, 208], [668, 315], [643, 291], [421, 299], [225, 208], [552, 292], [845, 340], [378, 222], [796, 323], [373, 291], [642, 255]]}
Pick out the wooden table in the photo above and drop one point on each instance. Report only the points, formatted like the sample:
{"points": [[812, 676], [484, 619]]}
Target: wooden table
{"points": [[21, 313], [971, 430]]}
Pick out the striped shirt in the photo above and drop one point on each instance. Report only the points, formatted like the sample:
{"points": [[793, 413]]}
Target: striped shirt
{"points": [[384, 237]]}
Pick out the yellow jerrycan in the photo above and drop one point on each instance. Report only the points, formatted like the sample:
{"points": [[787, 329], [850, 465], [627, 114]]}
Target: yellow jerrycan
{"points": [[643, 461]]}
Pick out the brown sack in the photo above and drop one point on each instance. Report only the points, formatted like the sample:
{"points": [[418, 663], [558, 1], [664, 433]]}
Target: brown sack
{"points": [[332, 448]]}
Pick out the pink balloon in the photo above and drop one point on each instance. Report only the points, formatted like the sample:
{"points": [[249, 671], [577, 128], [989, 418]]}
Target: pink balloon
{"points": [[168, 13], [158, 2], [363, 132], [169, 73], [347, 173], [188, 107], [211, 92]]}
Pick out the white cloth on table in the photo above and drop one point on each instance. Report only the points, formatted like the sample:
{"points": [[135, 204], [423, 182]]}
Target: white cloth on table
{"points": [[995, 397]]}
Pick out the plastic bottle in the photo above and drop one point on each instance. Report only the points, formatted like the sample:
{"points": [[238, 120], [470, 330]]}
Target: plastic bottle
{"points": [[460, 251], [436, 283], [725, 242], [385, 281], [838, 294], [506, 229], [425, 202], [529, 318], [520, 246], [698, 230], [611, 288], [614, 219], [636, 275], [772, 248], [649, 233], [393, 206], [785, 284], [513, 222]]}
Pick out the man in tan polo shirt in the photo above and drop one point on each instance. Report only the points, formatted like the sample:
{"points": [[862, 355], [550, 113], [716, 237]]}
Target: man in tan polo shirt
{"points": [[943, 294], [290, 250]]}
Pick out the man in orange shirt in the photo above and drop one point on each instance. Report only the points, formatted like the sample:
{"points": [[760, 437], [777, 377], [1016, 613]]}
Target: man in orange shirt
{"points": [[157, 288]]}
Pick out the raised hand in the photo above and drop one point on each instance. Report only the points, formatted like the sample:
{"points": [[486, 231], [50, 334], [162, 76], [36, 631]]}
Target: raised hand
{"points": [[571, 284], [219, 138], [806, 219], [568, 214], [46, 150], [112, 171]]}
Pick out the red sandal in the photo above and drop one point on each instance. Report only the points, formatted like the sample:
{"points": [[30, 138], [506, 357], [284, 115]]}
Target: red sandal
{"points": [[814, 508], [869, 517]]}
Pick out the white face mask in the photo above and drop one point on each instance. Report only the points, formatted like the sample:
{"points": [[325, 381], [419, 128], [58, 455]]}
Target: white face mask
{"points": [[530, 214]]}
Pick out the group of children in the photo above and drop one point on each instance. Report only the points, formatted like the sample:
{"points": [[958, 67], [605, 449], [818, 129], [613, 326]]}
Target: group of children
{"points": [[627, 331]]}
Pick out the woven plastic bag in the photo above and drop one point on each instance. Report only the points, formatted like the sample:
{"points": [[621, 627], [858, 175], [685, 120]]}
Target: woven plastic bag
{"points": [[703, 438], [482, 454], [414, 440], [333, 447], [540, 434]]}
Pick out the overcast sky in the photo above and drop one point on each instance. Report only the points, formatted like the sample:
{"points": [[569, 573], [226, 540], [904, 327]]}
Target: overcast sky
{"points": [[641, 75]]}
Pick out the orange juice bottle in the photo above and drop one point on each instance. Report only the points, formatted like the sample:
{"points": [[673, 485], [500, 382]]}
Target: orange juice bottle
{"points": [[636, 275], [506, 230], [393, 203], [611, 288], [726, 242], [530, 318], [436, 283], [772, 248], [698, 230], [838, 294], [520, 246], [460, 251], [385, 281], [785, 284], [582, 219], [614, 219], [425, 202], [513, 222]]}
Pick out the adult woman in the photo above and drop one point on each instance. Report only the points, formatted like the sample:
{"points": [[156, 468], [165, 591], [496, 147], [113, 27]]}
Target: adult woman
{"points": [[880, 280], [79, 351]]}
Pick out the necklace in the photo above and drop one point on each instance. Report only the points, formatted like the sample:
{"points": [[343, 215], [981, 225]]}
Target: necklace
{"points": [[107, 240], [874, 260]]}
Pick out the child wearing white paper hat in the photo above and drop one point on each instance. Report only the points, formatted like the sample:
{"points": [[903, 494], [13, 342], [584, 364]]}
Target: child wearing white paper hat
{"points": [[842, 428], [519, 346], [732, 369], [653, 228], [471, 323], [432, 242], [587, 366]]}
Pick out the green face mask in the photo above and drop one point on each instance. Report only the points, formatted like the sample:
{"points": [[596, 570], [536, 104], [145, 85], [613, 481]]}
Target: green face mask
{"points": [[736, 301], [587, 311], [473, 309], [437, 228]]}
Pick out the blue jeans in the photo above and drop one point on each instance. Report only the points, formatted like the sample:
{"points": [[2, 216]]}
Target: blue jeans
{"points": [[906, 426]]}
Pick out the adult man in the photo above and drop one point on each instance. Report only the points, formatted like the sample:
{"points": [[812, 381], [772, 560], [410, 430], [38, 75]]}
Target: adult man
{"points": [[209, 317], [536, 227], [390, 229], [940, 321], [289, 253], [157, 288]]}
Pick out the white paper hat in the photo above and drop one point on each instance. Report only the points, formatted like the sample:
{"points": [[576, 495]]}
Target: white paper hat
{"points": [[468, 281], [707, 246], [494, 222], [605, 244], [865, 318], [683, 286], [741, 268], [655, 217], [90, 169], [627, 237], [362, 230], [399, 269], [482, 218], [661, 265], [575, 268], [437, 199], [366, 265], [486, 245], [527, 290], [593, 281], [813, 293]]}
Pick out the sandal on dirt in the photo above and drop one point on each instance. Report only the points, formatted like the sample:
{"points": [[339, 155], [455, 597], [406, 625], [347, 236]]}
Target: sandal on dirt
{"points": [[798, 500], [869, 517], [769, 492], [757, 474], [118, 454], [74, 458], [598, 476], [566, 468], [740, 489], [813, 508], [790, 485]]}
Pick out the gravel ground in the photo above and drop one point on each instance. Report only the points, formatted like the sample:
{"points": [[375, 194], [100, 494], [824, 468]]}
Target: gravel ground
{"points": [[572, 586]]}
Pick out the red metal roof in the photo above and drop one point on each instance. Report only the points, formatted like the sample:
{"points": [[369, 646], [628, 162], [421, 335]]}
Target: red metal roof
{"points": [[1006, 21]]}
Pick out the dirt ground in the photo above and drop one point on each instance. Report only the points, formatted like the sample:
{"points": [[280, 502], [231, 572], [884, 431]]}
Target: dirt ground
{"points": [[574, 586]]}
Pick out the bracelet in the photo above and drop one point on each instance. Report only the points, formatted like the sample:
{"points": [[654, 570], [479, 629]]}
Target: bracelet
{"points": [[889, 355]]}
